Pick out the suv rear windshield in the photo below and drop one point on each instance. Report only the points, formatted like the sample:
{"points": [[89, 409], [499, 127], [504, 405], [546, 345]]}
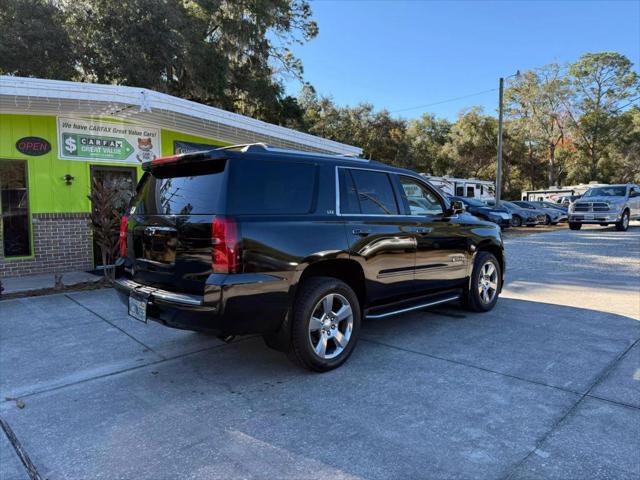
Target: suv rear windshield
{"points": [[181, 189]]}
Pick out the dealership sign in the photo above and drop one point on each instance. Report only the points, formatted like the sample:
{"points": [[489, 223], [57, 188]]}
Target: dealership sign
{"points": [[34, 146], [80, 139]]}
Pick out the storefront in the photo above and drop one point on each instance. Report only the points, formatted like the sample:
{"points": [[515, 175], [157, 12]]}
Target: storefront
{"points": [[57, 139]]}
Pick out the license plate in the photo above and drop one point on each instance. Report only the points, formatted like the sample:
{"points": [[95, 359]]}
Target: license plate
{"points": [[588, 217], [138, 308]]}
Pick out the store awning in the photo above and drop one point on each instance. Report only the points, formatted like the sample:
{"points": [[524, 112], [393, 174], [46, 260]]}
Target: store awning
{"points": [[147, 107]]}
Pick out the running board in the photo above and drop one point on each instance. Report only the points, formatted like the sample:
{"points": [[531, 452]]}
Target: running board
{"points": [[411, 309]]}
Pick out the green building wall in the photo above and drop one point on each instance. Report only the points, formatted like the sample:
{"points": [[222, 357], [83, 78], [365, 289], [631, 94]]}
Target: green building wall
{"points": [[55, 206], [48, 192]]}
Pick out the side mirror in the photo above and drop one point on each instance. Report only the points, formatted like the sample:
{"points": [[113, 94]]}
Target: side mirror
{"points": [[456, 207]]}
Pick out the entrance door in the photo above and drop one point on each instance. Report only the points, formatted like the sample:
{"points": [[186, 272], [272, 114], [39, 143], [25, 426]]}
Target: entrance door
{"points": [[121, 179], [14, 207]]}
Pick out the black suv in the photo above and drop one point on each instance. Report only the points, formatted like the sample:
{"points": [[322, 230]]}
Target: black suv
{"points": [[299, 247]]}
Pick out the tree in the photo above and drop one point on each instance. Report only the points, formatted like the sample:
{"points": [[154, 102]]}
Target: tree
{"points": [[426, 137], [227, 53], [104, 221], [604, 85], [233, 54], [624, 153], [34, 41], [472, 146], [536, 102], [379, 135]]}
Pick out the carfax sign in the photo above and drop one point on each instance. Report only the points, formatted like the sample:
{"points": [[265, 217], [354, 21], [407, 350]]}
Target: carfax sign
{"points": [[80, 139]]}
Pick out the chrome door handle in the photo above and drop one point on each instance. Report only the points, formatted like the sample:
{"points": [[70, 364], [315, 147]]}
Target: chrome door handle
{"points": [[360, 232], [424, 230]]}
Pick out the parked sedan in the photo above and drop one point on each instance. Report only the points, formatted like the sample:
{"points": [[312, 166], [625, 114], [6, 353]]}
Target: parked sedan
{"points": [[564, 210], [480, 209], [551, 215], [520, 216]]}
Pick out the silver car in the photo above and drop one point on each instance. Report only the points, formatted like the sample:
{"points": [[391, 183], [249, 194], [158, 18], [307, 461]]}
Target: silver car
{"points": [[551, 215], [607, 204], [520, 216]]}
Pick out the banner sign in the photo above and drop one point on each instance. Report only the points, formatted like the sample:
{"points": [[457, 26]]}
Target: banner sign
{"points": [[180, 146], [80, 139]]}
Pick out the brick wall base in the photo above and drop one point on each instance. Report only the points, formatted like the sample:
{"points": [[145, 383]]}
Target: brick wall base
{"points": [[61, 243]]}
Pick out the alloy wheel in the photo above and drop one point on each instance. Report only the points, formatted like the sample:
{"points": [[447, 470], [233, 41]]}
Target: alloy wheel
{"points": [[488, 282], [330, 326]]}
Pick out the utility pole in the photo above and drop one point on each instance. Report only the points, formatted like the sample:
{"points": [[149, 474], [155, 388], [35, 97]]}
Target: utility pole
{"points": [[499, 166], [500, 115]]}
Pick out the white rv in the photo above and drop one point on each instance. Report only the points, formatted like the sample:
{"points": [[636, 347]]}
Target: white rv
{"points": [[557, 194], [464, 187]]}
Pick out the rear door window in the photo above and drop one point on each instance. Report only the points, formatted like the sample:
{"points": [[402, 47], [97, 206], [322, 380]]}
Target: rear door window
{"points": [[348, 194], [375, 192], [267, 187]]}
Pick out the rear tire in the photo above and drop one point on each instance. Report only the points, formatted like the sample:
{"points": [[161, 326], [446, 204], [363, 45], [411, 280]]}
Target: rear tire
{"points": [[486, 277], [575, 226], [623, 224], [325, 324]]}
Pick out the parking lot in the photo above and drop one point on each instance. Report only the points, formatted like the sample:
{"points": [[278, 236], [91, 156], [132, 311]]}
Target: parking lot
{"points": [[547, 385]]}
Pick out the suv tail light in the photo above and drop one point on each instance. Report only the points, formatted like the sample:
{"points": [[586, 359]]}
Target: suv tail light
{"points": [[124, 223], [225, 252]]}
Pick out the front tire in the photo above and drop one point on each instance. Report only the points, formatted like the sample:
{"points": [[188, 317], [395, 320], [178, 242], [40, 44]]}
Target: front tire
{"points": [[516, 221], [623, 224], [325, 325], [575, 226], [547, 220], [485, 284]]}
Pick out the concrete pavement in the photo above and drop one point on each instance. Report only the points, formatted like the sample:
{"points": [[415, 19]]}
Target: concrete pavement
{"points": [[545, 386]]}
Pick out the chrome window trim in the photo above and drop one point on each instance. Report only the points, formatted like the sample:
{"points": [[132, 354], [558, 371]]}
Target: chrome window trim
{"points": [[404, 216]]}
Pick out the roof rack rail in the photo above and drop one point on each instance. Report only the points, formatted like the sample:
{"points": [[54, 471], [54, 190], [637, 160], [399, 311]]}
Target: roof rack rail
{"points": [[264, 147], [245, 147]]}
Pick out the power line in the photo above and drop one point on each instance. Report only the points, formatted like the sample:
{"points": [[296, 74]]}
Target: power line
{"points": [[445, 101]]}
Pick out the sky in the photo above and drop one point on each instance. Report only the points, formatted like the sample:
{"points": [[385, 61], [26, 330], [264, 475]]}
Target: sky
{"points": [[403, 54]]}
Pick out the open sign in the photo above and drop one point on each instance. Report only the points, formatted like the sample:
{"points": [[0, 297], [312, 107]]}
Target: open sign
{"points": [[33, 146]]}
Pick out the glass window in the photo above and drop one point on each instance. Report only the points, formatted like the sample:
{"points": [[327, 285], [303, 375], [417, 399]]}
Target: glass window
{"points": [[375, 192], [181, 190], [611, 191], [421, 200], [348, 193], [459, 191], [471, 191], [263, 187], [14, 199]]}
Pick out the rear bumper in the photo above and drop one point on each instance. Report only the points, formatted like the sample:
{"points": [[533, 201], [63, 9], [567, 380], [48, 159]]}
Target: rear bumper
{"points": [[231, 304], [177, 310]]}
